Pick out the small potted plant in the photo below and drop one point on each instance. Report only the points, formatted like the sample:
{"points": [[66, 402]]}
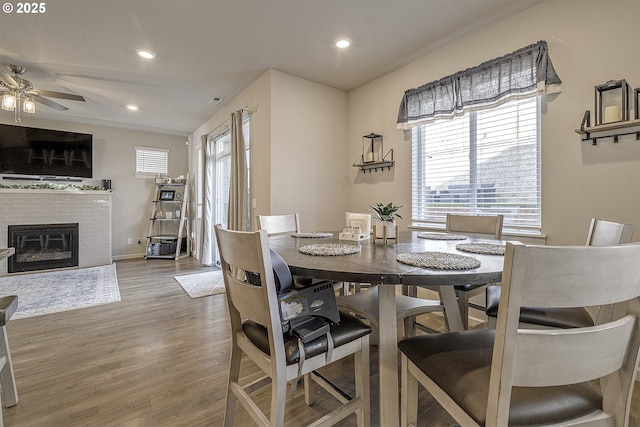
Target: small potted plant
{"points": [[386, 217]]}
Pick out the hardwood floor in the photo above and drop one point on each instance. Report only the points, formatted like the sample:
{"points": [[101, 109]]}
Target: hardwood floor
{"points": [[157, 358]]}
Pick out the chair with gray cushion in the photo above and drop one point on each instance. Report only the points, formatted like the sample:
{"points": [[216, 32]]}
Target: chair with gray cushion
{"points": [[257, 333], [601, 233], [519, 376]]}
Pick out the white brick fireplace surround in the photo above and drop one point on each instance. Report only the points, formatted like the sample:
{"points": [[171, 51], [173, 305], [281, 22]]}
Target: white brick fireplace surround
{"points": [[90, 209]]}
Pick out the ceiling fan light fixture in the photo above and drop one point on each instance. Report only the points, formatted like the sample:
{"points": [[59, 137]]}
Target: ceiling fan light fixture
{"points": [[29, 106], [146, 54], [9, 102]]}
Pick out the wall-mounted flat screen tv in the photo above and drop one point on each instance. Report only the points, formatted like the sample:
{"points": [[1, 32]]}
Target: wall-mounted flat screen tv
{"points": [[44, 152]]}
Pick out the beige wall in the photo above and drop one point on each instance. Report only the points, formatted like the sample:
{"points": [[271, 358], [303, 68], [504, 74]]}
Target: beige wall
{"points": [[308, 149], [298, 146], [589, 44], [114, 158]]}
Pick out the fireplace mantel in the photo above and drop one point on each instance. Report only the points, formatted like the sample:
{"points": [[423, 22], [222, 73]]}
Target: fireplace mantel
{"points": [[91, 209]]}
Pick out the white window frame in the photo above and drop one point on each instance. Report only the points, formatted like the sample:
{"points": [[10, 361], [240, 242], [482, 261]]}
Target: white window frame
{"points": [[436, 192], [151, 161]]}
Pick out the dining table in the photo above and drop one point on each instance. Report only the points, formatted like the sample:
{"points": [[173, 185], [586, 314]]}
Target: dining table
{"points": [[375, 261]]}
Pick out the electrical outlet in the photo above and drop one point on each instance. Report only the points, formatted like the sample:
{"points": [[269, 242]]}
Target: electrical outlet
{"points": [[129, 241], [139, 241]]}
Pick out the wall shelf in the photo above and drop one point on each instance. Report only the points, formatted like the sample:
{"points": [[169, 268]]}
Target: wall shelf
{"points": [[608, 130], [387, 162]]}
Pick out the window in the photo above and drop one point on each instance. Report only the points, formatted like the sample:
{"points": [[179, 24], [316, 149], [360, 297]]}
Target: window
{"points": [[484, 162], [151, 161]]}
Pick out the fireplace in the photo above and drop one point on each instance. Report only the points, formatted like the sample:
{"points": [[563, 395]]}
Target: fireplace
{"points": [[42, 246]]}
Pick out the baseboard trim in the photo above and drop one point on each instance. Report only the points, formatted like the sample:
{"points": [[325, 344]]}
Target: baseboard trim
{"points": [[128, 256]]}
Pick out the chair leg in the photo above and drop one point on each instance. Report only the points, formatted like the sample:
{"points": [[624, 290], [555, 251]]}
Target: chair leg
{"points": [[7, 378], [278, 398], [408, 396], [409, 326], [463, 305], [234, 375], [491, 322], [308, 389]]}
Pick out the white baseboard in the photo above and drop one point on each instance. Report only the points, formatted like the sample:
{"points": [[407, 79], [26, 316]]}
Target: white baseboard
{"points": [[128, 256]]}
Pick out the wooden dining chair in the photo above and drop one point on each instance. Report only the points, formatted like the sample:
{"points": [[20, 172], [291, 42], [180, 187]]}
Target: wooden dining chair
{"points": [[256, 331], [487, 226], [365, 304], [518, 376], [601, 233]]}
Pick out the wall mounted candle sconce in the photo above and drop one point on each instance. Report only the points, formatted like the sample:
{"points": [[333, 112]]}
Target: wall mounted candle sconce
{"points": [[612, 102], [373, 156], [372, 147]]}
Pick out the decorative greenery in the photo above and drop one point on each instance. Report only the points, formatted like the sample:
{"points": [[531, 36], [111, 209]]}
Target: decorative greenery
{"points": [[388, 212], [51, 186]]}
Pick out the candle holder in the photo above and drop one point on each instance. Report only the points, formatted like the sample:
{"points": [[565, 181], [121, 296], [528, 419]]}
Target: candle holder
{"points": [[612, 102], [372, 148]]}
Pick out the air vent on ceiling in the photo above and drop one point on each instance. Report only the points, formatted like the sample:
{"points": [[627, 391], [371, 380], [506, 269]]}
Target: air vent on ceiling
{"points": [[216, 100]]}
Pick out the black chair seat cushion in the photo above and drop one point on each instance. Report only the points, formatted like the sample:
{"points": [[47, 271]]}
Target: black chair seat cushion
{"points": [[460, 364], [8, 306], [467, 288], [349, 329], [563, 318]]}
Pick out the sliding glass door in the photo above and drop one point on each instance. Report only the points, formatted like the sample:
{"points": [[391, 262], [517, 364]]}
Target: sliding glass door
{"points": [[219, 163]]}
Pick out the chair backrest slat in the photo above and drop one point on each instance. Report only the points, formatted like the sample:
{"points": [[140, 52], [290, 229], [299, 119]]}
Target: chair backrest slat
{"points": [[607, 233], [279, 224], [489, 226], [607, 346], [576, 276]]}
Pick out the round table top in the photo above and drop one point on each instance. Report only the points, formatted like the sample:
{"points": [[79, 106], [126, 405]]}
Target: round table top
{"points": [[376, 261]]}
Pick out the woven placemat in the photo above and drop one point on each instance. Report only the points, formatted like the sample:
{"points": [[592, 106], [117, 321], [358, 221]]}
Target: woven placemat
{"points": [[441, 236], [482, 248], [311, 235], [330, 249], [439, 260]]}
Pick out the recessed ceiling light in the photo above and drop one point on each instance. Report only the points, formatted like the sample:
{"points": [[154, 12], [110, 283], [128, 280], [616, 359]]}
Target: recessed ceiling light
{"points": [[132, 107], [343, 43], [146, 54]]}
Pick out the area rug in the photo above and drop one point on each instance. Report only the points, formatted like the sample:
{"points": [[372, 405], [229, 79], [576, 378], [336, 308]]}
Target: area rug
{"points": [[62, 290], [204, 284]]}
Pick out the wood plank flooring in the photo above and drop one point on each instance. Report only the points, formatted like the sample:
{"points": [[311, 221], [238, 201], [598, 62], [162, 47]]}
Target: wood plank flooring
{"points": [[157, 358]]}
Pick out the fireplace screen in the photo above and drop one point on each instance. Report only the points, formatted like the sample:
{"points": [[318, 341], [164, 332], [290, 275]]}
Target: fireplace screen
{"points": [[43, 247]]}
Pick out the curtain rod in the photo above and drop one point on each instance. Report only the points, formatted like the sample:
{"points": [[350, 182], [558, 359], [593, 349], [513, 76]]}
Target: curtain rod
{"points": [[226, 122]]}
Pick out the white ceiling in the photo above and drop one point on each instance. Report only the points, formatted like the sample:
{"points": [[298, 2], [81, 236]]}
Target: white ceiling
{"points": [[208, 48]]}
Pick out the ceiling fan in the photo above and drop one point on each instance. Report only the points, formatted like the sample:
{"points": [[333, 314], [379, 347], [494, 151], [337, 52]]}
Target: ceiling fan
{"points": [[16, 91]]}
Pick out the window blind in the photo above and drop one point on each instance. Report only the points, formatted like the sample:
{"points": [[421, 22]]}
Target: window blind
{"points": [[151, 161], [485, 162]]}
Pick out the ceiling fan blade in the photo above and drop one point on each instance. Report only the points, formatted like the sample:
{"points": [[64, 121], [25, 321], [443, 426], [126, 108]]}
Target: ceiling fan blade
{"points": [[9, 80], [49, 103], [61, 95]]}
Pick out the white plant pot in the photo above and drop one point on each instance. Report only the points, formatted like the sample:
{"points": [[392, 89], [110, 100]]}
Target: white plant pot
{"points": [[390, 227]]}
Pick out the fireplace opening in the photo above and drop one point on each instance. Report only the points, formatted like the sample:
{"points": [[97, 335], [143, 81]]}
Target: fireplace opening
{"points": [[42, 247]]}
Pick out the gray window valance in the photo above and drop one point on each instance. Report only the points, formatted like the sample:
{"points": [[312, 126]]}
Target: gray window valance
{"points": [[523, 73]]}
